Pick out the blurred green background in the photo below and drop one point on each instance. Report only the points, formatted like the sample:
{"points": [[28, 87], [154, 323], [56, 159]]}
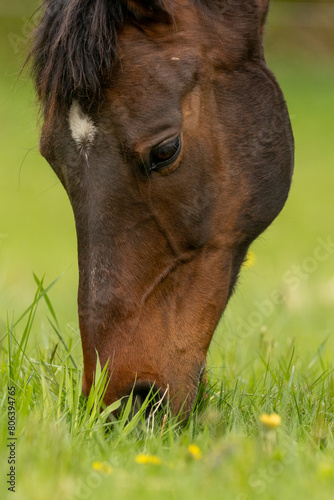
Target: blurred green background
{"points": [[37, 231]]}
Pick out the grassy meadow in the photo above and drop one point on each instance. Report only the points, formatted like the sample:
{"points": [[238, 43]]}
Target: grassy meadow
{"points": [[272, 352]]}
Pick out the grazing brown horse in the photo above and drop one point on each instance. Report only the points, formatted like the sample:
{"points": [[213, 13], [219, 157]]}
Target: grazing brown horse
{"points": [[173, 142]]}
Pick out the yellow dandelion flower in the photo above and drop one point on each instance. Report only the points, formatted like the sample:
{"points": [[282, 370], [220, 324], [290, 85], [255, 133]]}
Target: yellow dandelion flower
{"points": [[148, 459], [270, 422], [194, 451], [250, 259], [103, 467]]}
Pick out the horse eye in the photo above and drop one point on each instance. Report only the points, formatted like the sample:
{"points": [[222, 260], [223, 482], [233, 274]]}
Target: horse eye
{"points": [[165, 154]]}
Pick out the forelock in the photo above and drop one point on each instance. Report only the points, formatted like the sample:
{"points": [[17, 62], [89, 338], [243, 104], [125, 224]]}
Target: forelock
{"points": [[75, 46]]}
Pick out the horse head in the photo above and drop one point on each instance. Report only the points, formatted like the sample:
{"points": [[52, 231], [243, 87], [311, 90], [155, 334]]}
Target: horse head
{"points": [[173, 142]]}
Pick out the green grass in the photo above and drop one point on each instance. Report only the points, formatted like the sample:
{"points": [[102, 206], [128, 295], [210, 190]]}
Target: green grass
{"points": [[272, 352], [61, 434]]}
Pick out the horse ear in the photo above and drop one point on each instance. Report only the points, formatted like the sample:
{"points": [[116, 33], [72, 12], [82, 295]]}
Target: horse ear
{"points": [[221, 6], [263, 10]]}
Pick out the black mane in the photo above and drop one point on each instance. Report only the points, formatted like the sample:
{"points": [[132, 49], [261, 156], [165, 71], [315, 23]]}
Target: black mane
{"points": [[75, 47]]}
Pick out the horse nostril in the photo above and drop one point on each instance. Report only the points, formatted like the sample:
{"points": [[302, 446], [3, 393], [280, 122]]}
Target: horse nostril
{"points": [[141, 392], [149, 392]]}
